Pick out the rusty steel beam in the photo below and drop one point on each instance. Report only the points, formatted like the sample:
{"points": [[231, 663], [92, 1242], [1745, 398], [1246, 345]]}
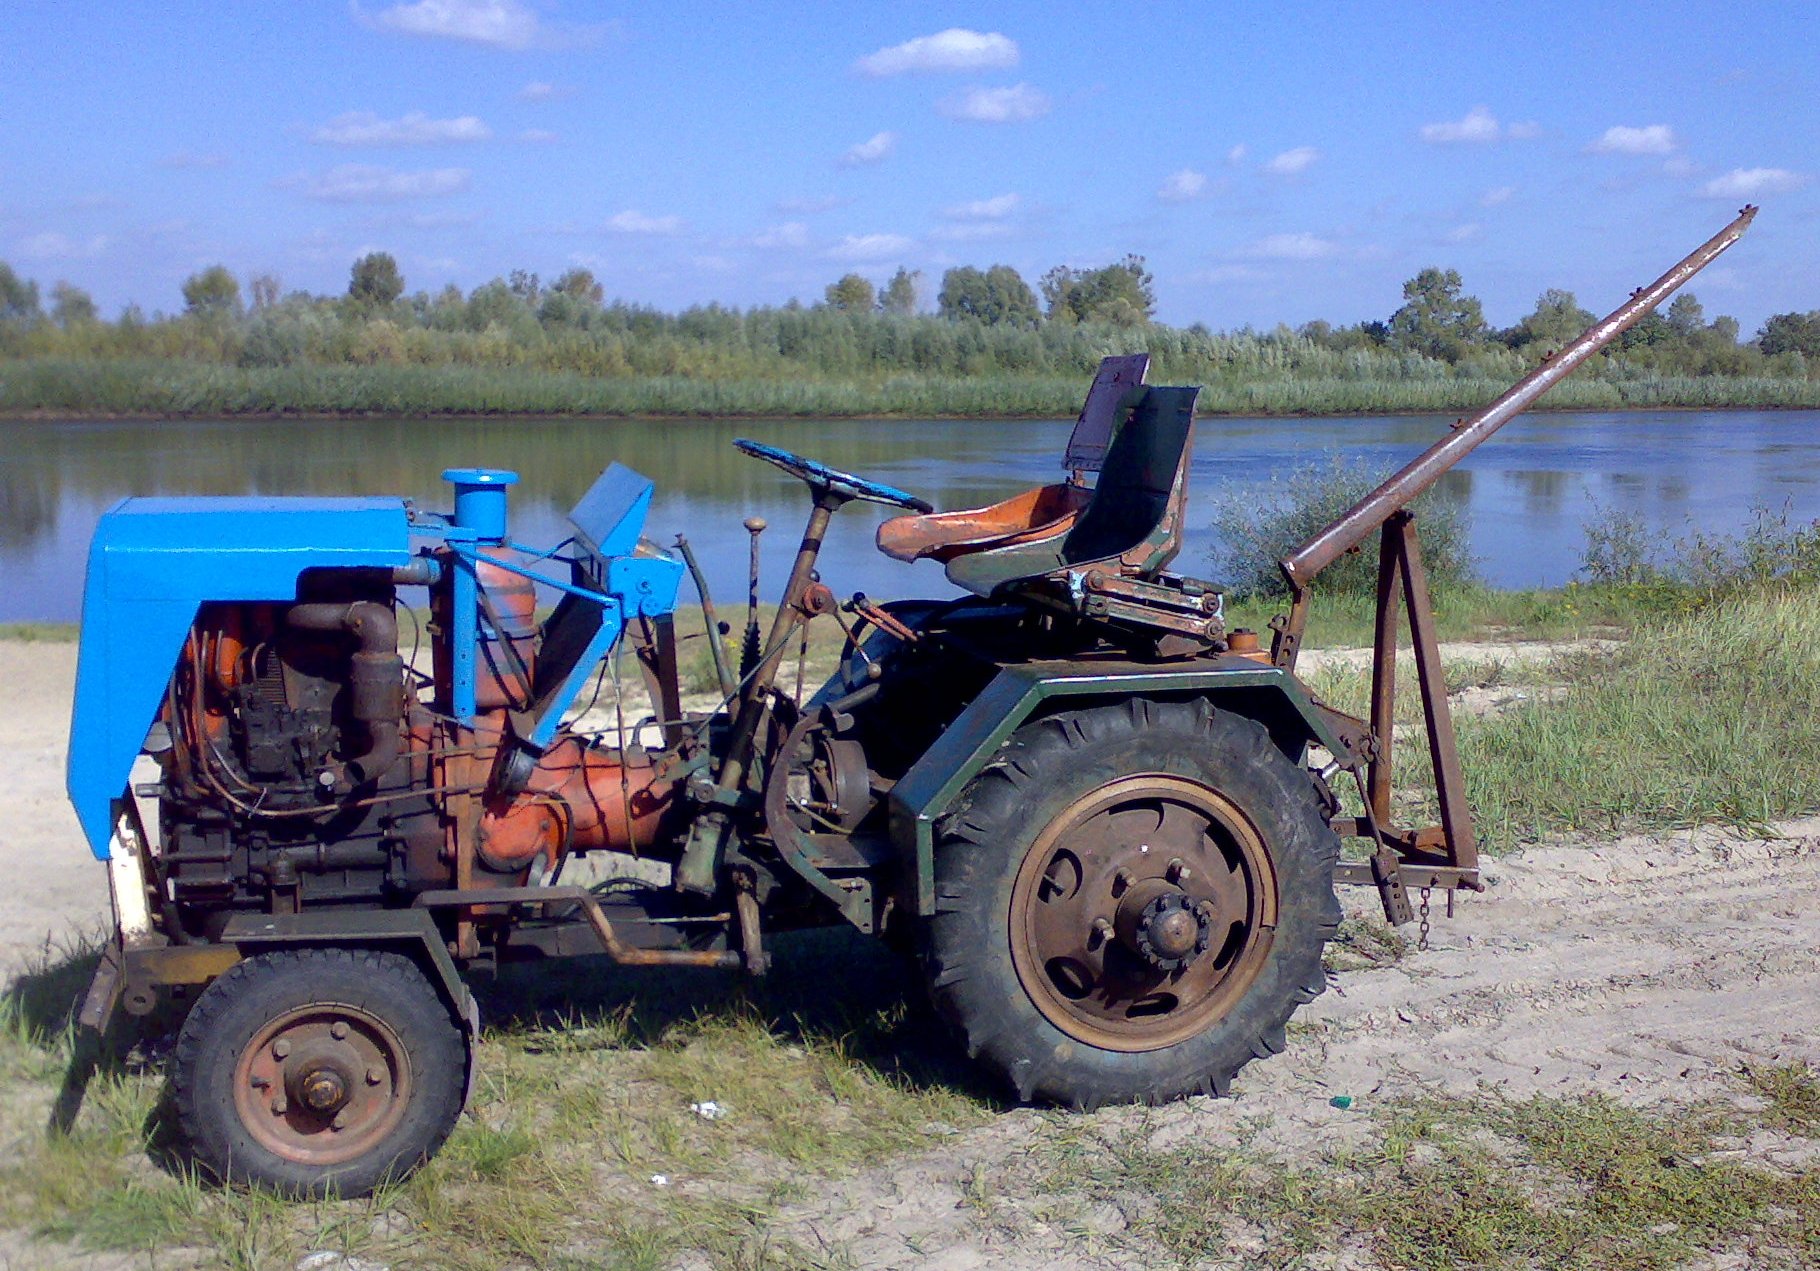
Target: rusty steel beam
{"points": [[1375, 508]]}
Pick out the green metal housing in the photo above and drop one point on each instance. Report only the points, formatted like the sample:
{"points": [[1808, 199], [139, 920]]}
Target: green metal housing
{"points": [[1018, 694]]}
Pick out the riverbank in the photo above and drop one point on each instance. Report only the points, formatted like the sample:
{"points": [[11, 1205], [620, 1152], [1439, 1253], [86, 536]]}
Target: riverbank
{"points": [[1622, 1016], [160, 388]]}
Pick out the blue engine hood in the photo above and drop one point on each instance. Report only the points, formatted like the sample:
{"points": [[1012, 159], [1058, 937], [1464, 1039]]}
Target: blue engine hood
{"points": [[151, 564]]}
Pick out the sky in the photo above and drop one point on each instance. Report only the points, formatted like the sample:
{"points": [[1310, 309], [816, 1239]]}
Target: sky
{"points": [[1272, 163]]}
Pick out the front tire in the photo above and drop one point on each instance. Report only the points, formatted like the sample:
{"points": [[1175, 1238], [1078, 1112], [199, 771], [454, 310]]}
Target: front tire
{"points": [[318, 1072], [1131, 901]]}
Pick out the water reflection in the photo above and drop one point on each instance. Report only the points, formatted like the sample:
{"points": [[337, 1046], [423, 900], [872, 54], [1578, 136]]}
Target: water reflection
{"points": [[1527, 493]]}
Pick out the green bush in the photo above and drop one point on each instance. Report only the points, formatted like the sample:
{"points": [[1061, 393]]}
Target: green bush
{"points": [[1255, 532]]}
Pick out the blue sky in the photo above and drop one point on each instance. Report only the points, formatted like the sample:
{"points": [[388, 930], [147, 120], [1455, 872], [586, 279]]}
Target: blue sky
{"points": [[1272, 163]]}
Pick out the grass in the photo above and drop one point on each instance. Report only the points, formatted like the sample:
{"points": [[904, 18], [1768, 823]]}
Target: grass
{"points": [[39, 632], [587, 1079], [1696, 719], [1483, 1182], [179, 388]]}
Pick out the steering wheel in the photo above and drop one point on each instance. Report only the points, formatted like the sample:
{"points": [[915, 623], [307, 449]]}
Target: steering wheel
{"points": [[844, 484]]}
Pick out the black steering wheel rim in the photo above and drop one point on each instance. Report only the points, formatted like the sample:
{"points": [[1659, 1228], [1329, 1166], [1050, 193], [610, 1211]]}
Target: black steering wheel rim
{"points": [[820, 475]]}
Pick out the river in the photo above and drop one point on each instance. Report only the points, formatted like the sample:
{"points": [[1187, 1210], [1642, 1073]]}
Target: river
{"points": [[1527, 493]]}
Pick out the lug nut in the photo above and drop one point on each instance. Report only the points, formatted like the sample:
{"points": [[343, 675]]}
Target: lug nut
{"points": [[341, 1120], [1178, 872], [279, 1106], [1121, 881], [374, 1076], [281, 1048], [338, 1030], [1102, 929]]}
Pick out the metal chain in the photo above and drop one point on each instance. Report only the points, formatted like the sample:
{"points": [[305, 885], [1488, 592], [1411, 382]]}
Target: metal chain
{"points": [[1422, 940]]}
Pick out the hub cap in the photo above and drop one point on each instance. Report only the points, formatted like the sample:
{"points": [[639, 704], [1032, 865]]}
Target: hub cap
{"points": [[1142, 913], [322, 1084]]}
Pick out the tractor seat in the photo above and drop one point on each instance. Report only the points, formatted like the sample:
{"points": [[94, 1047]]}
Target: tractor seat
{"points": [[1138, 437]]}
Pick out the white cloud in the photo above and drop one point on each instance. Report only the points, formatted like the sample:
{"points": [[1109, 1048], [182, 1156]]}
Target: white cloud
{"points": [[541, 90], [365, 183], [1651, 139], [1464, 233], [500, 24], [1231, 273], [364, 128], [54, 246], [1497, 196], [993, 209], [1751, 183], [1290, 247], [632, 221], [1291, 162], [860, 248], [956, 49], [789, 234], [810, 206], [1480, 125], [1182, 186], [190, 159], [974, 231], [537, 136], [1013, 105], [1238, 153], [872, 150]]}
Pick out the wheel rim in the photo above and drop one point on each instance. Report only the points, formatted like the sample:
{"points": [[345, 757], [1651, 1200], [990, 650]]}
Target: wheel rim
{"points": [[322, 1084], [1142, 913]]}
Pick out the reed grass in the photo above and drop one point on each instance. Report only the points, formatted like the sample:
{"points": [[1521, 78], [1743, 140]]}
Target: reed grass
{"points": [[180, 388]]}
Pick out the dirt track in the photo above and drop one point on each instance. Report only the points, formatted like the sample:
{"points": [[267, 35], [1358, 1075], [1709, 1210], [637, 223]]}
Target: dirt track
{"points": [[1645, 968]]}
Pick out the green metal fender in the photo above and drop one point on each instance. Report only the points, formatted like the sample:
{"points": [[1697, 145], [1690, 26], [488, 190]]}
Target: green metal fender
{"points": [[1268, 694]]}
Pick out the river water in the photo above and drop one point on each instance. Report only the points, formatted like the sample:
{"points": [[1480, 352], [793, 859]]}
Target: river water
{"points": [[1527, 493]]}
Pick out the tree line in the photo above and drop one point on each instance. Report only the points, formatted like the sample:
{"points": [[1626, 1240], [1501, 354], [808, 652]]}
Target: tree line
{"points": [[985, 321]]}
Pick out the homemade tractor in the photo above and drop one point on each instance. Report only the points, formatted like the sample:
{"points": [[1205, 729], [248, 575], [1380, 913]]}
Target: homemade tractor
{"points": [[1108, 825]]}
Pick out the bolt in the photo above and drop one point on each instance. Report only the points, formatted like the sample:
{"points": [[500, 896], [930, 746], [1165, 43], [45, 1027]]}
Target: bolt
{"points": [[281, 1048], [279, 1106], [1102, 930], [1121, 882], [374, 1076], [338, 1030], [1178, 872], [341, 1120]]}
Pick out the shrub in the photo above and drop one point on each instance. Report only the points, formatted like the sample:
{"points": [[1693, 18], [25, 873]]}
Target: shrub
{"points": [[1254, 533]]}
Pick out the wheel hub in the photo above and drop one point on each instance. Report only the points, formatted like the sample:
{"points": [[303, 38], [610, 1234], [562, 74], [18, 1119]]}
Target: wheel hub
{"points": [[1164, 926], [1142, 912], [321, 1084]]}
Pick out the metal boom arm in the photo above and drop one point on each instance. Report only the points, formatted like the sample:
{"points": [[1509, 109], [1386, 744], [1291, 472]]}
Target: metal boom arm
{"points": [[1300, 566]]}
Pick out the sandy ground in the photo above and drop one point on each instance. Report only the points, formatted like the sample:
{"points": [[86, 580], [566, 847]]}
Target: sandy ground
{"points": [[1648, 969], [1645, 968], [50, 885]]}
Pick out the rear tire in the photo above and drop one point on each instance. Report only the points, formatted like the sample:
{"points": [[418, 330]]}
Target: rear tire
{"points": [[1131, 901], [318, 1072]]}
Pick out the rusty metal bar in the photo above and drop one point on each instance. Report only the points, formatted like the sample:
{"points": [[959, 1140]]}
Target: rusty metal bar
{"points": [[1448, 877], [1384, 677], [610, 943], [1416, 476], [1450, 786]]}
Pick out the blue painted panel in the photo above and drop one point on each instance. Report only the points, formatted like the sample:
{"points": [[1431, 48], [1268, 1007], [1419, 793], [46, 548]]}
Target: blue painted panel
{"points": [[610, 516], [151, 563]]}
